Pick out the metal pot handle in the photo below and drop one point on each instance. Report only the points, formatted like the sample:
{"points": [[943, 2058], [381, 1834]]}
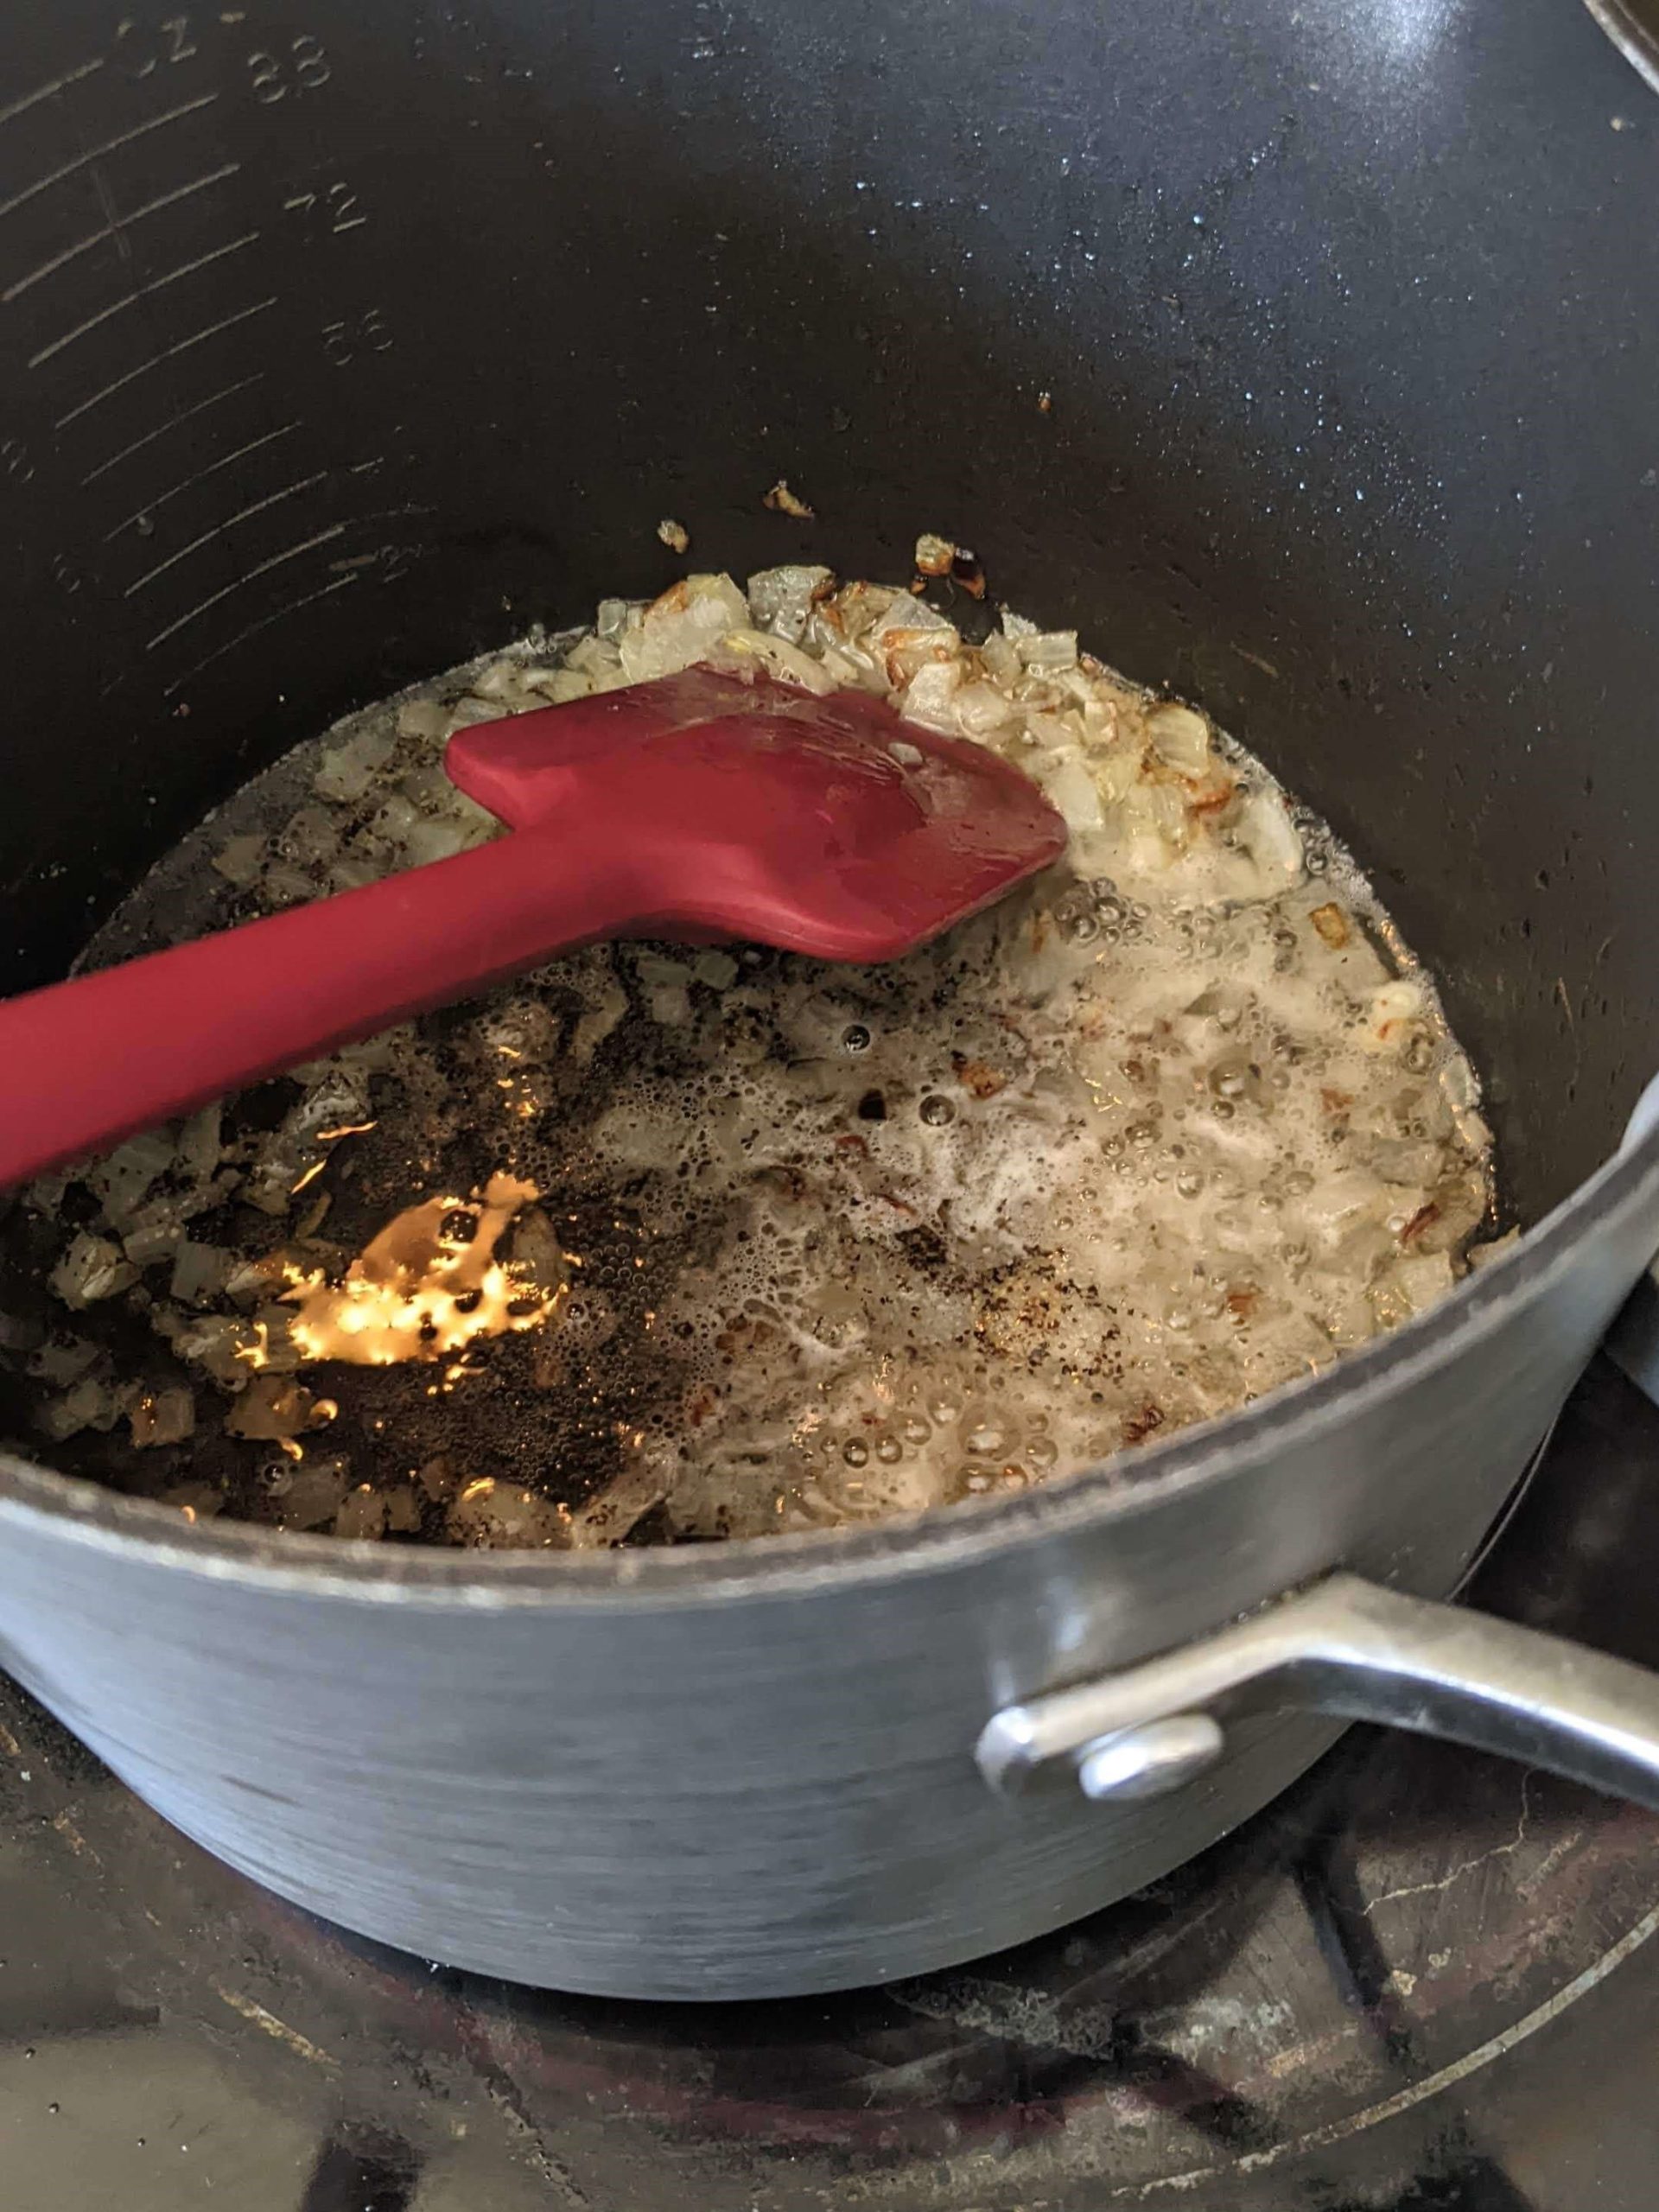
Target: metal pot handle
{"points": [[1347, 1647]]}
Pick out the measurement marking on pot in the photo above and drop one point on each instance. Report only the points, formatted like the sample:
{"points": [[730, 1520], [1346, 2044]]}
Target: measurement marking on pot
{"points": [[110, 146], [107, 231], [258, 507], [185, 483], [334, 207], [252, 630], [49, 91], [291, 553], [143, 291], [184, 414], [198, 338]]}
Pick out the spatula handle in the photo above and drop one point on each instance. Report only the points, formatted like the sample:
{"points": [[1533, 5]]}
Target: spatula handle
{"points": [[91, 1061]]}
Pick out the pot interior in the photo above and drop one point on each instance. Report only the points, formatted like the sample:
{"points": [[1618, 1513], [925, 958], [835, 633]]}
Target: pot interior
{"points": [[353, 349]]}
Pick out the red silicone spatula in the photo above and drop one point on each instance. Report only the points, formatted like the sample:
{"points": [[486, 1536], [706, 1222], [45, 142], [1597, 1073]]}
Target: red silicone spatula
{"points": [[701, 807]]}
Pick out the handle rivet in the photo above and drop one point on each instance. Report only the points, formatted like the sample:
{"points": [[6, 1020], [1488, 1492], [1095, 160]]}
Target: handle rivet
{"points": [[1147, 1762]]}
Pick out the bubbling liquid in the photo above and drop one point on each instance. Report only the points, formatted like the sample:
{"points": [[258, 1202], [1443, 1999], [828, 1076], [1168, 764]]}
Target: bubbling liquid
{"points": [[729, 1243]]}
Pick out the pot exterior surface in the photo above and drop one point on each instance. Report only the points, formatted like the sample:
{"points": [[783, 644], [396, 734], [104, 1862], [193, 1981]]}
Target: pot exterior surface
{"points": [[769, 1788]]}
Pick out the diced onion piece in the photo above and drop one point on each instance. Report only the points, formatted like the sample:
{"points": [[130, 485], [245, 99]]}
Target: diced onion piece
{"points": [[418, 718], [240, 861], [743, 649], [1343, 1201], [92, 1268], [438, 841], [122, 1178], [62, 1360], [90, 1404], [201, 1146], [934, 555], [159, 1417], [1393, 1011], [1000, 658], [362, 1515], [200, 1273], [314, 1496], [1075, 793], [782, 500], [561, 685], [487, 1512], [309, 838], [1410, 1286], [981, 711], [286, 886], [1180, 738], [156, 1233], [930, 697], [1269, 835], [271, 1407], [1043, 649], [682, 626], [780, 599], [1482, 1255], [214, 1342], [853, 669]]}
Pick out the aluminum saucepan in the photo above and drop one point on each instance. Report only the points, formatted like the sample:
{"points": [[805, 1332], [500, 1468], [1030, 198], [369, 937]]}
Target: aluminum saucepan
{"points": [[1304, 361]]}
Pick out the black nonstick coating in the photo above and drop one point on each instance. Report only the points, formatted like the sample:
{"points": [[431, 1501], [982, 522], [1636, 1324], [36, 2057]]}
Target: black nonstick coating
{"points": [[1304, 360]]}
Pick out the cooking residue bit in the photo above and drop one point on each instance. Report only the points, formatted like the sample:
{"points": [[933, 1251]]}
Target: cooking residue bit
{"points": [[429, 1283], [782, 501]]}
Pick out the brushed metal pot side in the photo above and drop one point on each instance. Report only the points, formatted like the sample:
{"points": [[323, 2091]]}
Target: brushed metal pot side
{"points": [[719, 1779]]}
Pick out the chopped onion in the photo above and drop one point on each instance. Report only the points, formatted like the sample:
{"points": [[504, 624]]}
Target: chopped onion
{"points": [[718, 969], [156, 1234], [309, 838], [240, 861], [1043, 651], [1180, 738], [780, 599], [272, 1407], [1073, 791], [201, 1272], [62, 1360], [92, 1268], [561, 685], [742, 649], [313, 1495], [681, 626], [981, 711], [1393, 1011], [121, 1177], [420, 718], [1482, 1255], [1267, 832], [490, 1512], [201, 1143], [362, 1515], [90, 1404], [930, 697], [163, 1417]]}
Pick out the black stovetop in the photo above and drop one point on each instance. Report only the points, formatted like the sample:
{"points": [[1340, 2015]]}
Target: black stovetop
{"points": [[1421, 1980]]}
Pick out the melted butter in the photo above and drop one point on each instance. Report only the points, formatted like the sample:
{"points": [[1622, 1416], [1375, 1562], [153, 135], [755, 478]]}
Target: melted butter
{"points": [[421, 1290]]}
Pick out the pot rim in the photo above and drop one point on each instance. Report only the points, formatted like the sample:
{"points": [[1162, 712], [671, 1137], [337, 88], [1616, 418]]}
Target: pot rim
{"points": [[144, 1530]]}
